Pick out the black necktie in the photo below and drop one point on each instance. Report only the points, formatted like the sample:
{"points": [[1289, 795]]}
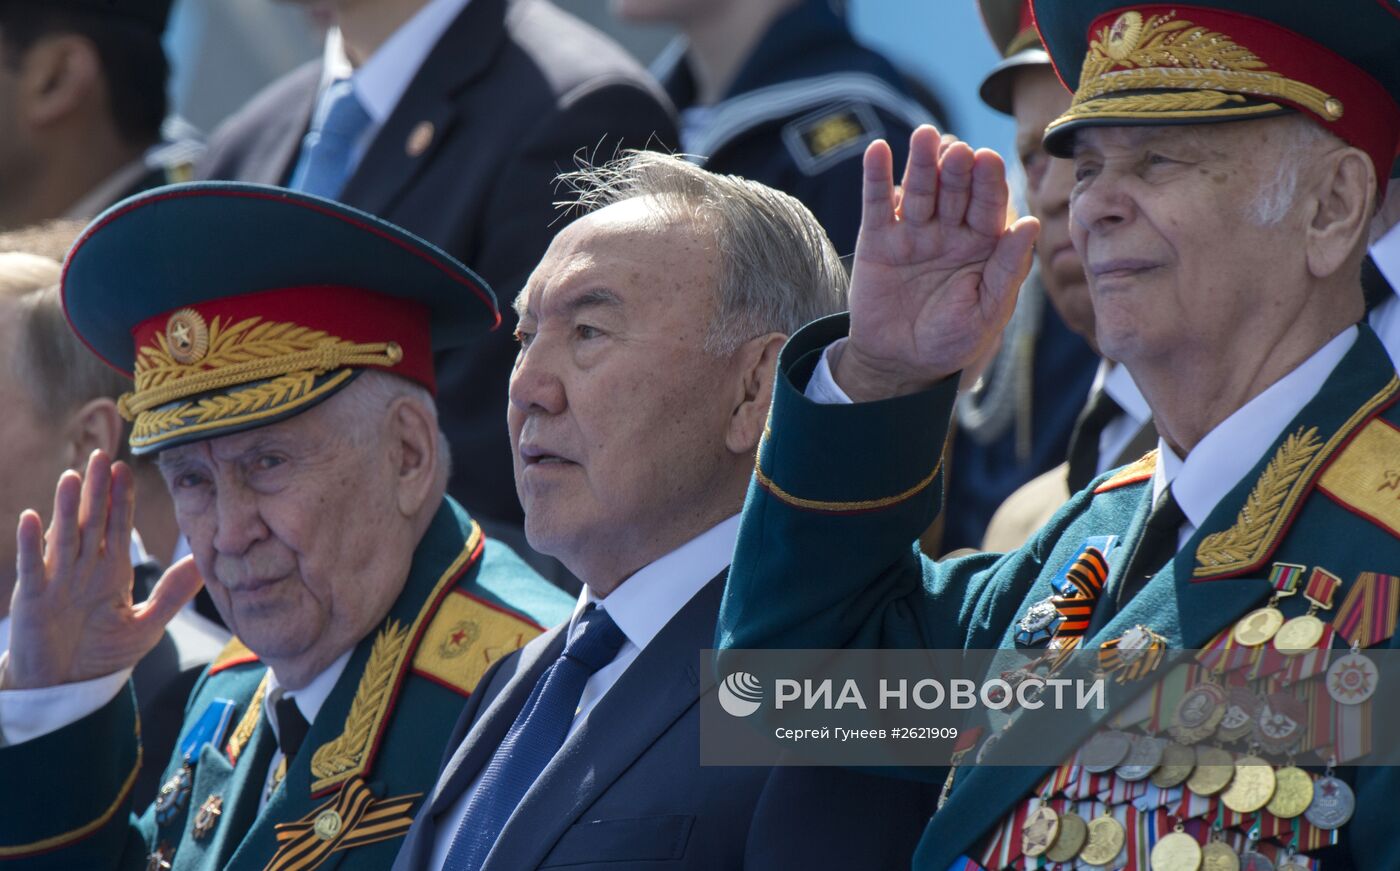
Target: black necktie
{"points": [[1084, 440], [1156, 545], [291, 726]]}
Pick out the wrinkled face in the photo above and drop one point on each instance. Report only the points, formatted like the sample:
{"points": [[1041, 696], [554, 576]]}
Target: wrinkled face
{"points": [[1038, 98], [295, 529], [32, 458], [617, 414], [1176, 264]]}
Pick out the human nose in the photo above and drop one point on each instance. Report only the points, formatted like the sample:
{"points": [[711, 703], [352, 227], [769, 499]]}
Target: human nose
{"points": [[240, 525], [535, 386], [1099, 203]]}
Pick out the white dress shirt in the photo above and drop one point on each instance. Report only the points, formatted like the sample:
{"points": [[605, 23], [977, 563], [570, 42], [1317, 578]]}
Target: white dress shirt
{"points": [[641, 606], [309, 700], [380, 82], [1115, 380], [1385, 318], [1224, 456], [1221, 459]]}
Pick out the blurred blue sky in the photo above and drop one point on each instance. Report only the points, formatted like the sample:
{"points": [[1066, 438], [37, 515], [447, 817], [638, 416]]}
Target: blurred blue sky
{"points": [[944, 44]]}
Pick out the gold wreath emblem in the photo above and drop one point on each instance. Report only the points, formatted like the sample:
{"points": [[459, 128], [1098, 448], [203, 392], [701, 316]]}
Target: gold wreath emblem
{"points": [[460, 639], [188, 336], [1123, 37]]}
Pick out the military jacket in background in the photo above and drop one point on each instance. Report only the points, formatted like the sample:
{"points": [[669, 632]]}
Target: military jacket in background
{"points": [[800, 113]]}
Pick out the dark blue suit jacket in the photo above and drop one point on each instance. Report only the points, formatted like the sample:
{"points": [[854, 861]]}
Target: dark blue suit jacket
{"points": [[627, 790]]}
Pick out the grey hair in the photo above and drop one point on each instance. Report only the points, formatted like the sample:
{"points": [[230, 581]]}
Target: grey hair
{"points": [[1305, 139], [372, 391], [778, 268]]}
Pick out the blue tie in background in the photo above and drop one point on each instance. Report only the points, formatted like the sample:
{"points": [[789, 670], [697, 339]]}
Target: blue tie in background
{"points": [[536, 735], [324, 164]]}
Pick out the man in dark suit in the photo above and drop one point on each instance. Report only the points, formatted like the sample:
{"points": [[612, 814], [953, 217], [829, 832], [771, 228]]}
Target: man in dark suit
{"points": [[457, 118], [82, 101], [637, 402]]}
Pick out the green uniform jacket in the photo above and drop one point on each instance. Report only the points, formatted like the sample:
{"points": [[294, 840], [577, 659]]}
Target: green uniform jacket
{"points": [[827, 558], [379, 736]]}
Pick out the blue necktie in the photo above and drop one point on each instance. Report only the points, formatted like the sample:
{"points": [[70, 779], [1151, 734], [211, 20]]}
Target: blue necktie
{"points": [[324, 164], [536, 735]]}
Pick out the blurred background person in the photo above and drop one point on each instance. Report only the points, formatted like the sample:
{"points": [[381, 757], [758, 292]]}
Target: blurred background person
{"points": [[780, 92], [1380, 273], [1047, 394], [450, 118], [82, 102], [60, 406]]}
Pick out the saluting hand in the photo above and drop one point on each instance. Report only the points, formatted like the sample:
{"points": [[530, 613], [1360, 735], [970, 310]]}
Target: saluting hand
{"points": [[72, 614], [936, 268]]}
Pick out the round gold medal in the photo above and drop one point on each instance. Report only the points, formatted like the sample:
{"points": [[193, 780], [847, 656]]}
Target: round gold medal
{"points": [[1198, 713], [1073, 833], [1258, 626], [1104, 841], [1252, 786], [1215, 768], [1217, 856], [1041, 828], [1177, 763], [1299, 635], [1176, 852], [1293, 793]]}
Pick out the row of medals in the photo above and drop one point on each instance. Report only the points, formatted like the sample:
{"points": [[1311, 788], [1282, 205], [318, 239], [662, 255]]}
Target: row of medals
{"points": [[1245, 785]]}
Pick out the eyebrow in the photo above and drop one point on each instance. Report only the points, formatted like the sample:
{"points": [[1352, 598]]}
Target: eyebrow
{"points": [[593, 298]]}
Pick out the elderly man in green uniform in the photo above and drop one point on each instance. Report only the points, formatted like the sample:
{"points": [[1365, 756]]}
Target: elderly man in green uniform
{"points": [[1228, 157], [281, 347]]}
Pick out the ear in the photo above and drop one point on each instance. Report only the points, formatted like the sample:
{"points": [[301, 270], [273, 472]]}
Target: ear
{"points": [[95, 426], [757, 363], [416, 436], [57, 75], [1343, 202]]}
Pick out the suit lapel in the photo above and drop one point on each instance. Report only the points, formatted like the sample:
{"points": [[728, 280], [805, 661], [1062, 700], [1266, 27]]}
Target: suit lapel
{"points": [[495, 719], [427, 110], [272, 157], [660, 685]]}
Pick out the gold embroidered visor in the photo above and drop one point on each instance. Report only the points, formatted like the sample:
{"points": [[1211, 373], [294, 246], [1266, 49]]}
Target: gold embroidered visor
{"points": [[1180, 64], [233, 306], [227, 365]]}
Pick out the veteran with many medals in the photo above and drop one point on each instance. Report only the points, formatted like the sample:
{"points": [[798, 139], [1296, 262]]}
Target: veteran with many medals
{"points": [[1228, 156], [281, 347]]}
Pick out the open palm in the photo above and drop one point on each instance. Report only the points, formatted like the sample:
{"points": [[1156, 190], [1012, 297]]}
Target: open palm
{"points": [[936, 268], [73, 616]]}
